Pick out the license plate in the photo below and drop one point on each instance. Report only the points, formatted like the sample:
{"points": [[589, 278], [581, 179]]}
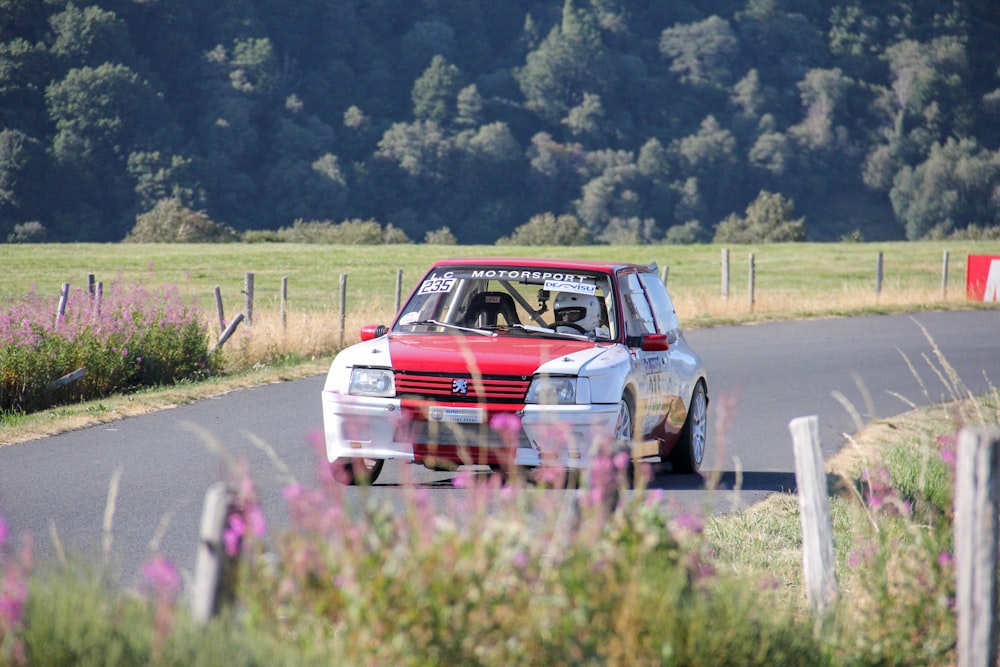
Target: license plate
{"points": [[456, 415]]}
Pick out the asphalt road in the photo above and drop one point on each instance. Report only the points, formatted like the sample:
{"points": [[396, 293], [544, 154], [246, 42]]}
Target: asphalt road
{"points": [[760, 377]]}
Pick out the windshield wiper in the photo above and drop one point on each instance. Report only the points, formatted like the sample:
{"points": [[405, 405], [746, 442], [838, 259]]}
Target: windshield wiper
{"points": [[446, 325], [550, 332]]}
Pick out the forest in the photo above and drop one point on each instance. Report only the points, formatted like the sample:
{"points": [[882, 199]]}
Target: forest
{"points": [[643, 122]]}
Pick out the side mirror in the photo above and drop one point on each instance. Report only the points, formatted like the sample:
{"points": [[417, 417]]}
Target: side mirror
{"points": [[655, 343], [372, 331]]}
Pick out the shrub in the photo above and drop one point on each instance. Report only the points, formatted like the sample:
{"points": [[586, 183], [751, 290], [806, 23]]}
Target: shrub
{"points": [[548, 229], [28, 232], [440, 236], [767, 221], [129, 337], [348, 232], [629, 231], [686, 234], [501, 575], [172, 222], [393, 234]]}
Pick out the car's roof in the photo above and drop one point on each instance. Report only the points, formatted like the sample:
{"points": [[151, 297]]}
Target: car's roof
{"points": [[584, 264]]}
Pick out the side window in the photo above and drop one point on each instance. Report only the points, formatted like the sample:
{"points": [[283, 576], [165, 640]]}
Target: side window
{"points": [[638, 316], [659, 299]]}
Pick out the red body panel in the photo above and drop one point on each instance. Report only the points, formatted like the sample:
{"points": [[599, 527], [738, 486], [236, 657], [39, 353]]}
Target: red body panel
{"points": [[478, 355]]}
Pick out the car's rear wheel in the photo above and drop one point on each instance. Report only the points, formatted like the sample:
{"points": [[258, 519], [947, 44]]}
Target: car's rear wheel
{"points": [[689, 452], [357, 471]]}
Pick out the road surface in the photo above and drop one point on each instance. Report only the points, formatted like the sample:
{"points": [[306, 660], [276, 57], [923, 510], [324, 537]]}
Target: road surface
{"points": [[760, 377]]}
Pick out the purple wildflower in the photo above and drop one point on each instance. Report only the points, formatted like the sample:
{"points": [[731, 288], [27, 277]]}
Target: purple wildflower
{"points": [[162, 575], [505, 421], [13, 595], [233, 535]]}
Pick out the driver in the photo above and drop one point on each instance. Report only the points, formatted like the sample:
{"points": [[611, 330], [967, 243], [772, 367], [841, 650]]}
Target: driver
{"points": [[583, 310]]}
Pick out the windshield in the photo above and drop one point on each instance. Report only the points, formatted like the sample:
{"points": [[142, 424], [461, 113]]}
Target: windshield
{"points": [[512, 300]]}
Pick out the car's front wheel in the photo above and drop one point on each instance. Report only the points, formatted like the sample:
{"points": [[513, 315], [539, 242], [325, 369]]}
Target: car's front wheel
{"points": [[689, 452], [625, 433], [357, 471]]}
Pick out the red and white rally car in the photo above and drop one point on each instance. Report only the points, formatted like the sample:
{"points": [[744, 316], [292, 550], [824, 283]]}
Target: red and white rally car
{"points": [[520, 362]]}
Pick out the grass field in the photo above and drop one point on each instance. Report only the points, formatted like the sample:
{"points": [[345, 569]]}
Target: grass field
{"points": [[791, 280]]}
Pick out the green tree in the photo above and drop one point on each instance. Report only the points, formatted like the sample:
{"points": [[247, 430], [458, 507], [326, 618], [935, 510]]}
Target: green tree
{"points": [[421, 149], [425, 42], [569, 62], [703, 53], [90, 37], [24, 178], [822, 92], [782, 45], [585, 119], [710, 155], [556, 168], [469, 106], [435, 92], [106, 113], [159, 176], [25, 68], [102, 116], [548, 229], [768, 220], [956, 186]]}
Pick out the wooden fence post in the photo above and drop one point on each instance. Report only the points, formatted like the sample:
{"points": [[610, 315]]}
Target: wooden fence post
{"points": [[725, 273], [210, 553], [218, 307], [284, 303], [977, 499], [752, 278], [63, 298], [248, 291], [818, 562], [878, 274], [399, 289], [665, 273], [228, 332], [343, 306], [944, 276]]}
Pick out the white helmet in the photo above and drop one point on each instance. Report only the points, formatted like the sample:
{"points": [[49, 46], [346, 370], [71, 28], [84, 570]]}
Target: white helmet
{"points": [[583, 310]]}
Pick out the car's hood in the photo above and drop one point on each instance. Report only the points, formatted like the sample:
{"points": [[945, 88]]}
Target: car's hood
{"points": [[489, 355]]}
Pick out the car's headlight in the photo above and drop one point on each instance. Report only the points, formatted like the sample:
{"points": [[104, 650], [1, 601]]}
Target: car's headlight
{"points": [[372, 382], [552, 390]]}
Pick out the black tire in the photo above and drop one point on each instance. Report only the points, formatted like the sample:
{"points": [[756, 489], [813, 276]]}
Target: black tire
{"points": [[689, 452], [625, 434], [357, 472]]}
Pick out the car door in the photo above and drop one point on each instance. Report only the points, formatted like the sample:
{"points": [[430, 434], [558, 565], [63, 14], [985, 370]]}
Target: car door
{"points": [[674, 386], [650, 368]]}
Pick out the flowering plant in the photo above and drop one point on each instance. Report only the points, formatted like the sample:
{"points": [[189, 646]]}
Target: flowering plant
{"points": [[123, 337]]}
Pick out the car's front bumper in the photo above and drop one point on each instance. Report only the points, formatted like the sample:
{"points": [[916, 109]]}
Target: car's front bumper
{"points": [[386, 428]]}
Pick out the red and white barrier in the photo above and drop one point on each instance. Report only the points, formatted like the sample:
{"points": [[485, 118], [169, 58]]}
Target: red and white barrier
{"points": [[982, 279]]}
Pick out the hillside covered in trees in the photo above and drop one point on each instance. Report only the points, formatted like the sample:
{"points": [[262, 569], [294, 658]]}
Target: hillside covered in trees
{"points": [[643, 121]]}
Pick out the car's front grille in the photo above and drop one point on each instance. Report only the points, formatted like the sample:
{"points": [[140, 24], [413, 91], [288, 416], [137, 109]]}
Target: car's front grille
{"points": [[457, 388]]}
